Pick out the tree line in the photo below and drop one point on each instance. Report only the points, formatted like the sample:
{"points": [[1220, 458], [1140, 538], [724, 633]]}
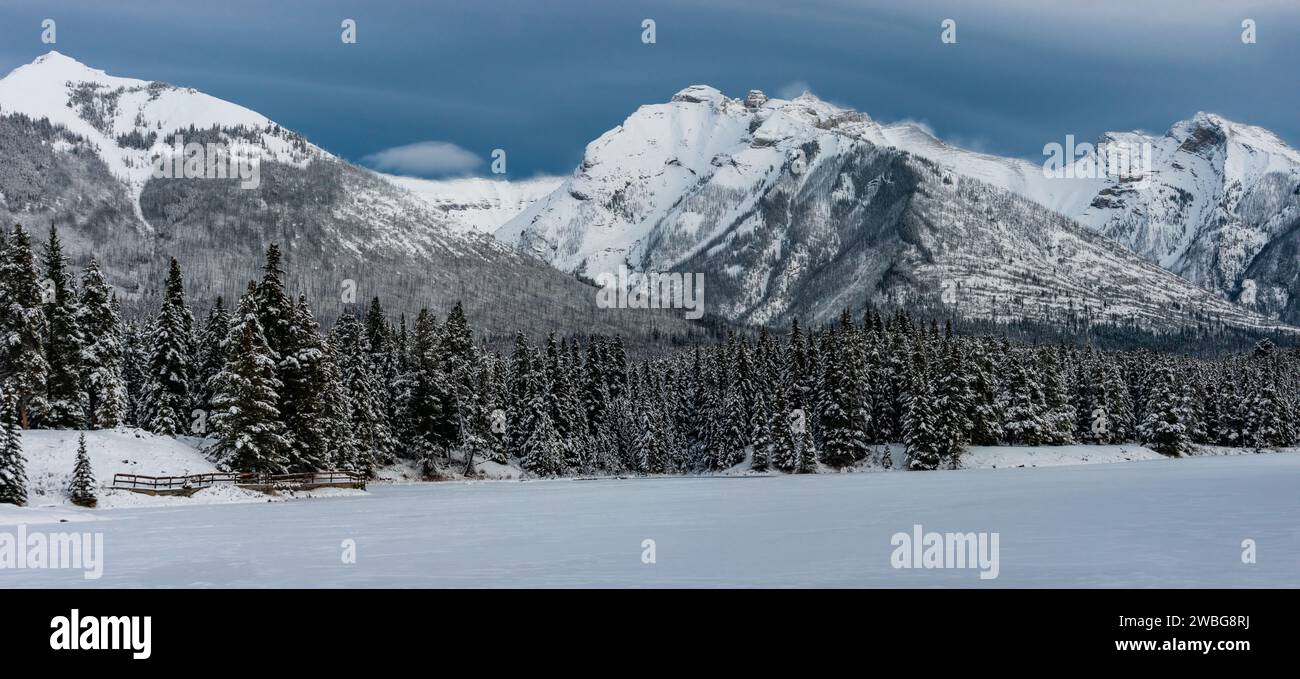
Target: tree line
{"points": [[272, 392]]}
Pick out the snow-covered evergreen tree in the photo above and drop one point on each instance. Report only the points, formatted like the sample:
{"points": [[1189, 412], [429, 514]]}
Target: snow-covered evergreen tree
{"points": [[1024, 409], [303, 376], [807, 448], [65, 398], [166, 396], [844, 438], [81, 489], [22, 327], [952, 404], [1165, 430], [985, 422], [13, 465], [250, 431], [365, 394], [102, 351], [211, 354], [542, 453], [919, 431]]}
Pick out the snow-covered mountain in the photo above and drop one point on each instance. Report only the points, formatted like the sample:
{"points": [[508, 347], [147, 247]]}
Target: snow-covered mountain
{"points": [[1220, 194], [1219, 204], [477, 202], [78, 146], [798, 206]]}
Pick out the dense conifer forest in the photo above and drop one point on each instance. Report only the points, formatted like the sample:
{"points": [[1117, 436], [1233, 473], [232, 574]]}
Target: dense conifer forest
{"points": [[274, 392]]}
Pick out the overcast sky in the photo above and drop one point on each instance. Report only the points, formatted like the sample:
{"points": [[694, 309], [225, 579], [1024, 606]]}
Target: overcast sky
{"points": [[432, 86]]}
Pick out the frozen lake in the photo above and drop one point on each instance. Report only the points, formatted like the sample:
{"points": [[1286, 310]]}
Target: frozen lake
{"points": [[1163, 523]]}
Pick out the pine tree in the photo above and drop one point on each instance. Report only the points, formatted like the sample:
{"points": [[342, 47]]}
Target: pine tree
{"points": [[81, 490], [1119, 405], [336, 414], [102, 352], [844, 440], [13, 465], [212, 354], [651, 455], [22, 326], [65, 399], [952, 403], [365, 394], [986, 424], [134, 359], [1059, 415], [303, 376], [807, 451], [919, 430], [542, 453], [422, 391], [251, 436], [166, 390], [1165, 428], [275, 309], [1264, 415], [457, 360], [785, 445], [1023, 406], [760, 437]]}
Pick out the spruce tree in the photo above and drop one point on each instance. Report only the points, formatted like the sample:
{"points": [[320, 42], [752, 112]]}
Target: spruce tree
{"points": [[457, 360], [785, 444], [1023, 405], [65, 398], [336, 414], [542, 453], [952, 405], [13, 465], [81, 489], [920, 435], [303, 375], [1165, 428], [365, 394], [102, 352], [807, 450], [422, 392], [844, 441], [250, 432], [167, 373], [986, 423], [760, 437], [212, 354], [22, 324]]}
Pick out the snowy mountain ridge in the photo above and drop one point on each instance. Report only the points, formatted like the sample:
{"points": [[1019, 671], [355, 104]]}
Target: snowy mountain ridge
{"points": [[79, 145], [478, 203], [769, 196]]}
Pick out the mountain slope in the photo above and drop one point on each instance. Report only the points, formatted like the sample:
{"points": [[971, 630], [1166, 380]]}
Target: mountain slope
{"points": [[801, 208], [78, 146], [476, 202], [1219, 195]]}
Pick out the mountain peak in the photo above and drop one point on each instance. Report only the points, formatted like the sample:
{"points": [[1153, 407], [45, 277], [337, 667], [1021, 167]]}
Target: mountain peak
{"points": [[700, 94], [57, 67]]}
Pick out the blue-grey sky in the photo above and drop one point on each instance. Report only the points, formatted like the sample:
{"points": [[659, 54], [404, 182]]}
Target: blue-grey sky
{"points": [[541, 78]]}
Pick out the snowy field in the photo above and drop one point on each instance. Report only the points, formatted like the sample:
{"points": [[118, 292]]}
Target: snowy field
{"points": [[1146, 523]]}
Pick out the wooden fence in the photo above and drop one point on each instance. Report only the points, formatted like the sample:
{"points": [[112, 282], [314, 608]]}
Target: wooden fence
{"points": [[267, 483]]}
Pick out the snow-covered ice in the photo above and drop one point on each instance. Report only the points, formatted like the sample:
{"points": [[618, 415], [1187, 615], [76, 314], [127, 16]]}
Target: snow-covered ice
{"points": [[1151, 523]]}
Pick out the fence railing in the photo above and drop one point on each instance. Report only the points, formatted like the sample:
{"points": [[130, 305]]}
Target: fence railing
{"points": [[193, 482]]}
